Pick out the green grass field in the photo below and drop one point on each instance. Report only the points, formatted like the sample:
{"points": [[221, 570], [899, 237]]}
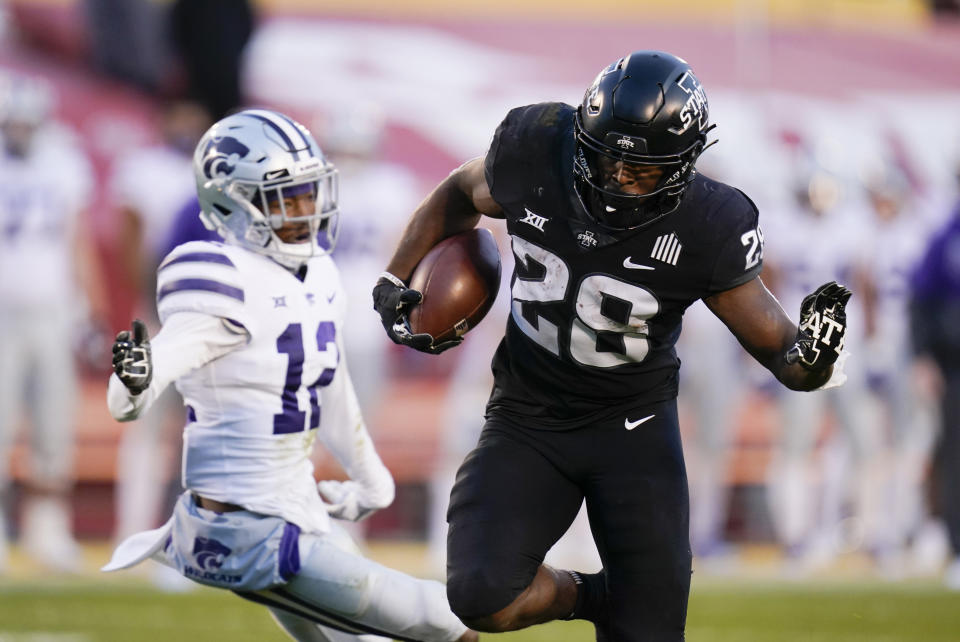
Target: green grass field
{"points": [[720, 611], [123, 607]]}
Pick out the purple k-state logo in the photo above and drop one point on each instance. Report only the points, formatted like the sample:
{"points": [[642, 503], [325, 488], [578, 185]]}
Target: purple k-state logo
{"points": [[221, 156], [210, 553]]}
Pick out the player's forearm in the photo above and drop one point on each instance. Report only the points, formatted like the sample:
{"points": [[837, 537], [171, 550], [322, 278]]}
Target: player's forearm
{"points": [[772, 355], [446, 211], [187, 341]]}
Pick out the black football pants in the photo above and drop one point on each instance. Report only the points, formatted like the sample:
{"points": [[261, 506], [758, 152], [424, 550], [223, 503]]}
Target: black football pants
{"points": [[521, 488]]}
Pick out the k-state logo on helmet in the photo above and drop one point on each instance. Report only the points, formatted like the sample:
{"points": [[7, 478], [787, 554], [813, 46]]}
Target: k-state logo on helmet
{"points": [[221, 156], [210, 553]]}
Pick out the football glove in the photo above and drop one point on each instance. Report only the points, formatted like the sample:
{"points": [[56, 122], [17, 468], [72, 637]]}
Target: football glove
{"points": [[351, 500], [131, 358], [392, 300], [823, 324]]}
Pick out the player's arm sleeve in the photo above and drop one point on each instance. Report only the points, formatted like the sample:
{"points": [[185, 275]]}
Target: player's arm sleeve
{"points": [[506, 165], [740, 258], [344, 432], [494, 151], [187, 341]]}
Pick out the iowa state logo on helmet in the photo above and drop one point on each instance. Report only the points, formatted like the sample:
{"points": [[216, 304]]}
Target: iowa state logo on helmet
{"points": [[695, 108], [221, 156]]}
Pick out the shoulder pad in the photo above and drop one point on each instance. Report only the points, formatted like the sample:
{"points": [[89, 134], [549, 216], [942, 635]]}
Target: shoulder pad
{"points": [[200, 276], [525, 143]]}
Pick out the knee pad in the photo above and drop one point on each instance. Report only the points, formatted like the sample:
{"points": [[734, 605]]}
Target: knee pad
{"points": [[481, 588]]}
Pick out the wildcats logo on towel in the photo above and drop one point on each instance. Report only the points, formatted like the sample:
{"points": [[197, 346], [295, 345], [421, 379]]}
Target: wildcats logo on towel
{"points": [[210, 555], [667, 248]]}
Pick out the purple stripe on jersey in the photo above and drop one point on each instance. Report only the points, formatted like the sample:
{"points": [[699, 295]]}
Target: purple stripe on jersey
{"points": [[207, 285], [199, 257], [289, 551], [191, 415], [234, 326]]}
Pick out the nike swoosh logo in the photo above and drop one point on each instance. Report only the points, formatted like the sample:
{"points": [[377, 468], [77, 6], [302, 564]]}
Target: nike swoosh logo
{"points": [[630, 265], [630, 425]]}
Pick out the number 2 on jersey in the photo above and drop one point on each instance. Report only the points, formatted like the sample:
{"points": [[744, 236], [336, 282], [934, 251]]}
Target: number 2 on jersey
{"points": [[753, 241], [609, 327], [290, 342]]}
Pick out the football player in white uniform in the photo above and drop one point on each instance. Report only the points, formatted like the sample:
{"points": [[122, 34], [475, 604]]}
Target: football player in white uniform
{"points": [[48, 272], [252, 338]]}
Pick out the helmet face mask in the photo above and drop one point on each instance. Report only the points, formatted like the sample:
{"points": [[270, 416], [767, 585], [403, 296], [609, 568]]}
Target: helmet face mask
{"points": [[264, 184], [644, 111]]}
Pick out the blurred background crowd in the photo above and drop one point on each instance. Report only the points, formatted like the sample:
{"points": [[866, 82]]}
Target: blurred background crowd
{"points": [[840, 118]]}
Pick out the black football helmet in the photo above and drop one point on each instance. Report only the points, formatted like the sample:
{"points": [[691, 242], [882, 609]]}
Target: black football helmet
{"points": [[647, 109]]}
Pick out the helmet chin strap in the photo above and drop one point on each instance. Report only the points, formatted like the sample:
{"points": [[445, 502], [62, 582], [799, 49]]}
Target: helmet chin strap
{"points": [[649, 212]]}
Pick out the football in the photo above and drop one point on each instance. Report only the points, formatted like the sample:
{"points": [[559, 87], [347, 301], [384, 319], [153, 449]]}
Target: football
{"points": [[459, 279]]}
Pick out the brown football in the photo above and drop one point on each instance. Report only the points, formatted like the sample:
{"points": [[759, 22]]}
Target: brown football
{"points": [[459, 279]]}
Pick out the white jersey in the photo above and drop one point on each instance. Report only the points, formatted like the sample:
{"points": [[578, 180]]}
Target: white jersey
{"points": [[254, 404], [41, 197], [888, 254]]}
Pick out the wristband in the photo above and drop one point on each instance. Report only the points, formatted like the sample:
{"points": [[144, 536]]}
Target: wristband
{"points": [[393, 279]]}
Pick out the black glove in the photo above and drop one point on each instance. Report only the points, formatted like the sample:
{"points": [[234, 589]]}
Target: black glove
{"points": [[131, 358], [823, 324], [393, 300]]}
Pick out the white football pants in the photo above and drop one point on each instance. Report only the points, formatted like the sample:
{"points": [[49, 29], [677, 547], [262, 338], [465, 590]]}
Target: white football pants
{"points": [[339, 595]]}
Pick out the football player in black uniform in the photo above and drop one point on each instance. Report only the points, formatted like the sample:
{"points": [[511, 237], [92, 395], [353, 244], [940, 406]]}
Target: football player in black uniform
{"points": [[615, 235]]}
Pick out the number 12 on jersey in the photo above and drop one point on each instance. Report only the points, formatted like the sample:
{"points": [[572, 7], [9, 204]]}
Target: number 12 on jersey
{"points": [[290, 342]]}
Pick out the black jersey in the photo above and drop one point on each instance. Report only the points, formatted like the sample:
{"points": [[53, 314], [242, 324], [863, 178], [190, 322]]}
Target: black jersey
{"points": [[595, 314]]}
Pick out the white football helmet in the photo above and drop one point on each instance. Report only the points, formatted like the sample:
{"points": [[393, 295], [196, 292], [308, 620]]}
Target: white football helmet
{"points": [[26, 103], [25, 99], [252, 157]]}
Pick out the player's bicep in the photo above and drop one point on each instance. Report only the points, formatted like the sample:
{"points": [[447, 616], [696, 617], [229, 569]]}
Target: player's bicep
{"points": [[756, 318], [472, 180]]}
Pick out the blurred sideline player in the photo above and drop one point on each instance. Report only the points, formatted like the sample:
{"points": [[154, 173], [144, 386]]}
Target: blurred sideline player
{"points": [[889, 249], [376, 196], [48, 272], [935, 334], [149, 186], [252, 337], [808, 485]]}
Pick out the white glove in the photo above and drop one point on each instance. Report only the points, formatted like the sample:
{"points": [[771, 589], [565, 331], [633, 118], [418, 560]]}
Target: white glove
{"points": [[354, 501]]}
